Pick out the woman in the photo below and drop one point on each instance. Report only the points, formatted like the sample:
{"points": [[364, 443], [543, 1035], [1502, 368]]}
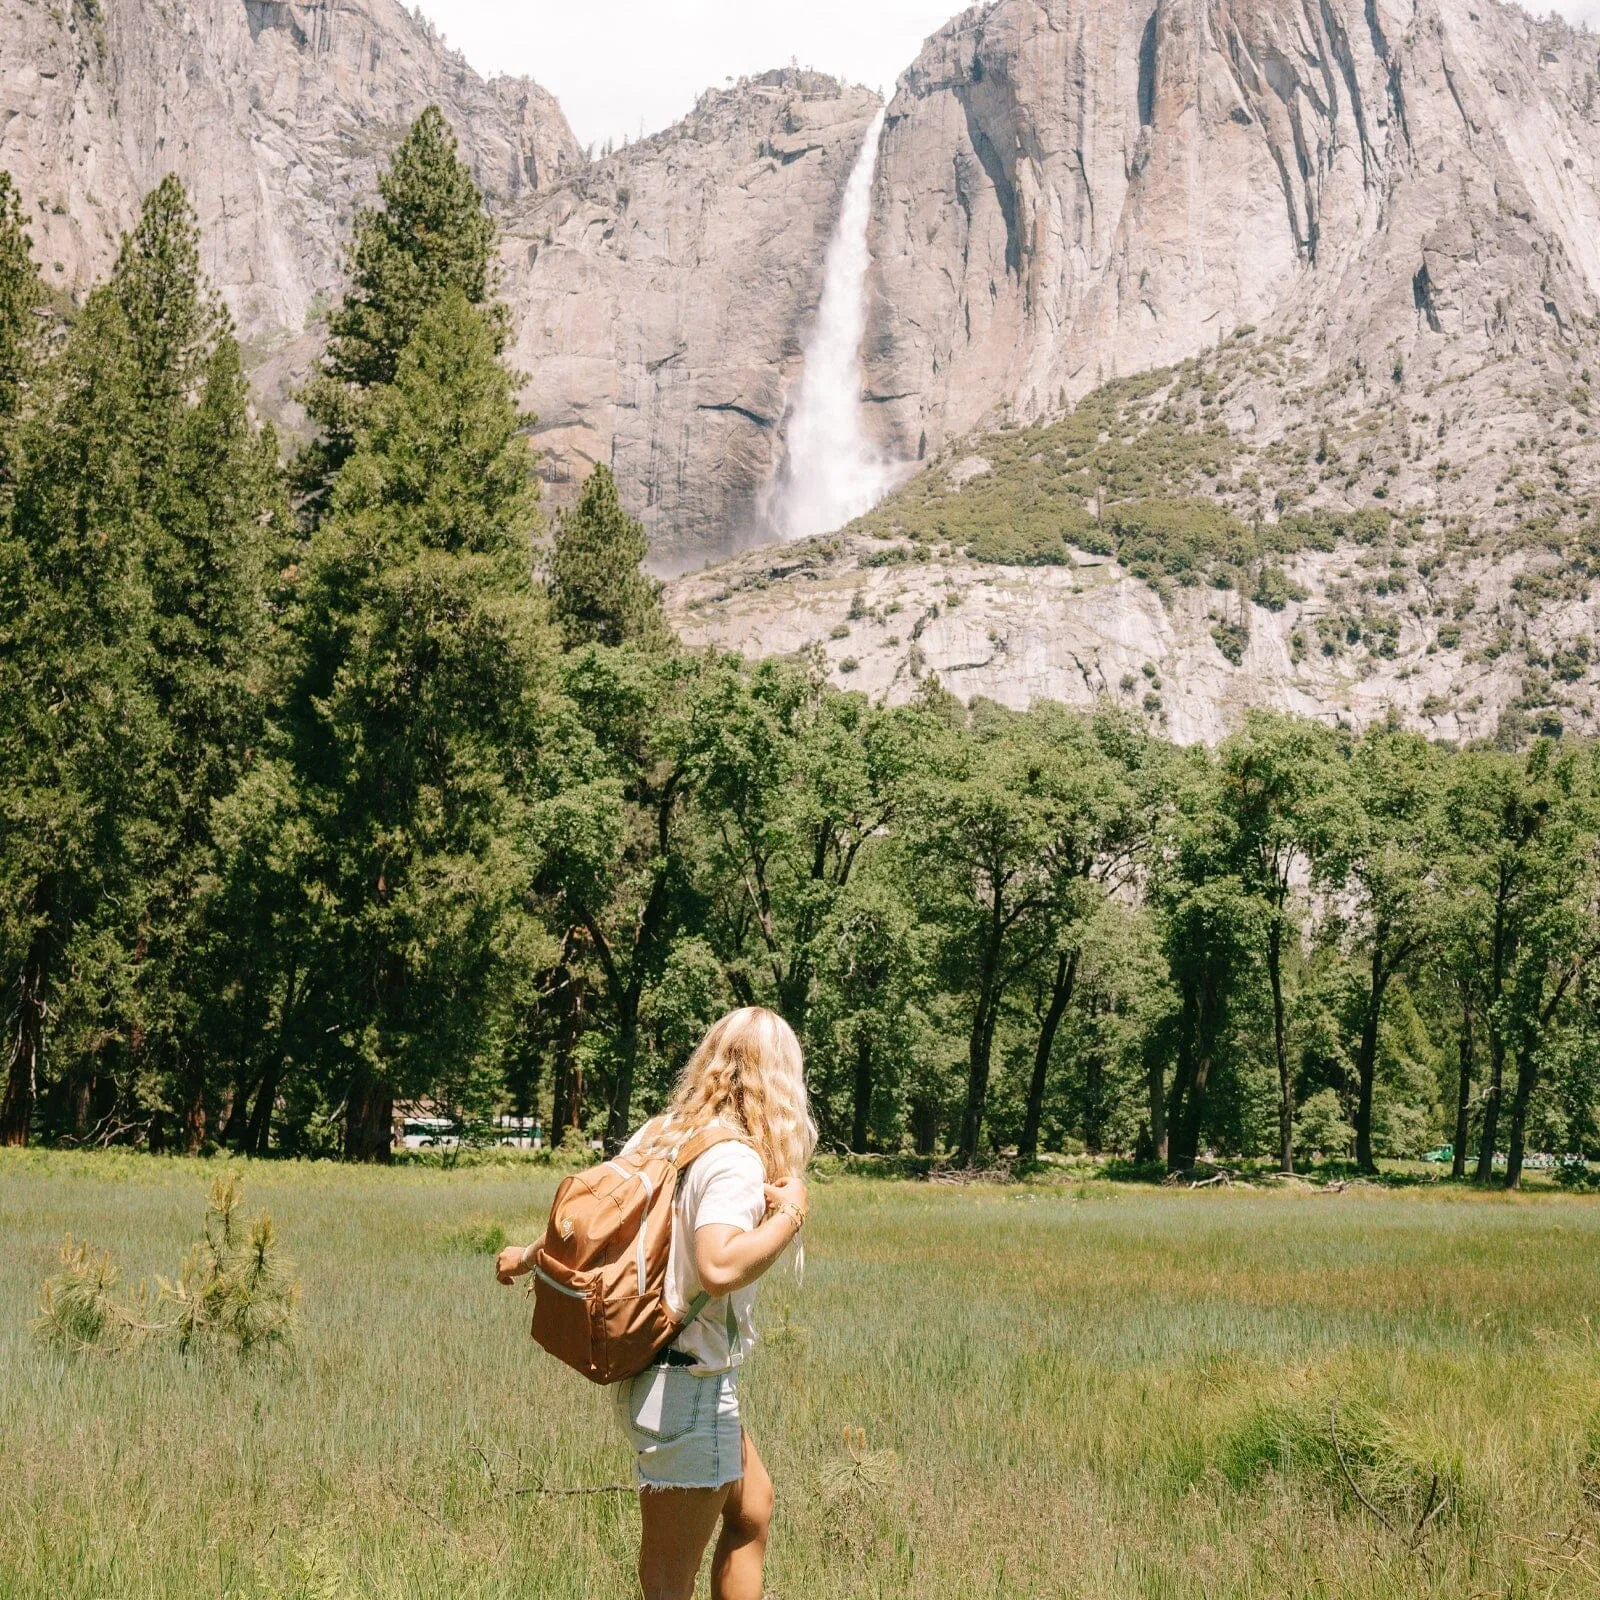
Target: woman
{"points": [[738, 1208]]}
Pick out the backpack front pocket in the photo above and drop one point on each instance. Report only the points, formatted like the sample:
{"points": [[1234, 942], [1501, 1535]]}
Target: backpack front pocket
{"points": [[663, 1404]]}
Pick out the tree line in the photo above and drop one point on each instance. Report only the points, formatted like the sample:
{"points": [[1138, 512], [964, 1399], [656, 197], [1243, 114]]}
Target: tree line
{"points": [[332, 780]]}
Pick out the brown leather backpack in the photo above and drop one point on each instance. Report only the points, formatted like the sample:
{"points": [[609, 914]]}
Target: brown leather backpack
{"points": [[600, 1276]]}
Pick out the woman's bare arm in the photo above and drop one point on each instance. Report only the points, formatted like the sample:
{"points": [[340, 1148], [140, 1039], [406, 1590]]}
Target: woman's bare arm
{"points": [[728, 1258]]}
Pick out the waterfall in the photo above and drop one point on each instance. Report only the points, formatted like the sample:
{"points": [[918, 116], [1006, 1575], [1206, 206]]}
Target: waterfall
{"points": [[832, 471]]}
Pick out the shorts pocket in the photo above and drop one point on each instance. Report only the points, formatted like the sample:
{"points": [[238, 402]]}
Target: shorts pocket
{"points": [[662, 1404]]}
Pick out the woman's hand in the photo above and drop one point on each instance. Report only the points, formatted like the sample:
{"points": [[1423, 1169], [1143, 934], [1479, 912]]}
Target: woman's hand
{"points": [[512, 1262], [788, 1192]]}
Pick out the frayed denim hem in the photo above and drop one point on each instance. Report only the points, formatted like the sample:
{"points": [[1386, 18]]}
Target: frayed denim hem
{"points": [[646, 1487]]}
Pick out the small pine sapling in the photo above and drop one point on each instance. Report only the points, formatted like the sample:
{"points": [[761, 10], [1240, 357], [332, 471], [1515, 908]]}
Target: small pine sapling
{"points": [[78, 1306], [234, 1288]]}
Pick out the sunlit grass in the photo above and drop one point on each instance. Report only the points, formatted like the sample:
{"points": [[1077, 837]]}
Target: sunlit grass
{"points": [[1086, 1392]]}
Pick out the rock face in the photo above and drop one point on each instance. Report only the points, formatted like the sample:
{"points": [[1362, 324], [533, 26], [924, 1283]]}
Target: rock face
{"points": [[662, 297], [1071, 190], [1379, 220], [275, 115], [1089, 633], [1404, 191]]}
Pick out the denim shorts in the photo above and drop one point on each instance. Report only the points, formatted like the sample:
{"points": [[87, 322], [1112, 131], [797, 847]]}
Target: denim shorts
{"points": [[684, 1428]]}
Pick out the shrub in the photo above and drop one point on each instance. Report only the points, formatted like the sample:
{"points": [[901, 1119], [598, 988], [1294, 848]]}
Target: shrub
{"points": [[1574, 1172], [1230, 638], [1019, 547], [1274, 589], [233, 1288]]}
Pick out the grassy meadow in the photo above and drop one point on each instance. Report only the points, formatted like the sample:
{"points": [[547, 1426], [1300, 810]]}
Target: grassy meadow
{"points": [[1088, 1390]]}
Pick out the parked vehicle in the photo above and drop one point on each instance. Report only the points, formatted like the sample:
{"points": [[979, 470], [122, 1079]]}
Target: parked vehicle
{"points": [[429, 1133]]}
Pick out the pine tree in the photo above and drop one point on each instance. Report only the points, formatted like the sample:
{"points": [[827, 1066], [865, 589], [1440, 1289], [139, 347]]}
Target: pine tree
{"points": [[416, 715], [598, 593], [146, 522], [75, 723], [20, 294], [173, 320], [430, 237], [212, 519]]}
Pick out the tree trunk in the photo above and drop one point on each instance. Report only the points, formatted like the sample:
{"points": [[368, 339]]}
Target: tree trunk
{"points": [[1491, 1104], [979, 1047], [1280, 1046], [1464, 1065], [863, 1095], [1527, 1081], [1497, 1043], [22, 1080], [1060, 998], [1156, 1091], [232, 1135], [1367, 1059], [194, 1116], [258, 1135], [1179, 1094], [1186, 1146], [82, 1105], [369, 1119], [981, 1039], [619, 1123]]}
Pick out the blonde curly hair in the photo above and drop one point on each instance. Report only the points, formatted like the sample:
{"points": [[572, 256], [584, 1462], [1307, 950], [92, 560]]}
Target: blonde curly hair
{"points": [[749, 1073]]}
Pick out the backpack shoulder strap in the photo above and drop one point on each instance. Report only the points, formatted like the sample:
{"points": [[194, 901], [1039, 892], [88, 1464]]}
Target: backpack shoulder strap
{"points": [[697, 1143]]}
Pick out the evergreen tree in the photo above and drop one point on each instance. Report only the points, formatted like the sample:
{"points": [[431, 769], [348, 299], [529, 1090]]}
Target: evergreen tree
{"points": [[598, 592], [431, 237], [174, 321], [415, 717], [211, 520], [75, 721], [20, 294]]}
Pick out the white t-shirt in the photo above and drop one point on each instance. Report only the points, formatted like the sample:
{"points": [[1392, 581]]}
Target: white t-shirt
{"points": [[722, 1186]]}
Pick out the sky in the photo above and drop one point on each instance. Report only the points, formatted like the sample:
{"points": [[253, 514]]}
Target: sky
{"points": [[622, 66], [625, 67]]}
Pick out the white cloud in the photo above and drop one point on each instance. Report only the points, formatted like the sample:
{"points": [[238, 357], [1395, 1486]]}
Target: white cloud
{"points": [[622, 67]]}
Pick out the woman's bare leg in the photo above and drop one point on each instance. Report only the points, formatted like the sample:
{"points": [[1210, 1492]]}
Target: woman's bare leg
{"points": [[677, 1528], [736, 1568]]}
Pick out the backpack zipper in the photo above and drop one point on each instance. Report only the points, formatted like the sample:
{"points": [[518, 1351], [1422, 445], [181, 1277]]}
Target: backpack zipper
{"points": [[560, 1288]]}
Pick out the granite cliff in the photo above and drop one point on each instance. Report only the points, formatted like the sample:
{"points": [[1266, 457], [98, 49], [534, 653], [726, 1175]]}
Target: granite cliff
{"points": [[275, 115], [1070, 190], [1366, 230]]}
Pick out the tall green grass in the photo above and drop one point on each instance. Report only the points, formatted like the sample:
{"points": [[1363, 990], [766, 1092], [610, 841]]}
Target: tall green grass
{"points": [[1086, 1392]]}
